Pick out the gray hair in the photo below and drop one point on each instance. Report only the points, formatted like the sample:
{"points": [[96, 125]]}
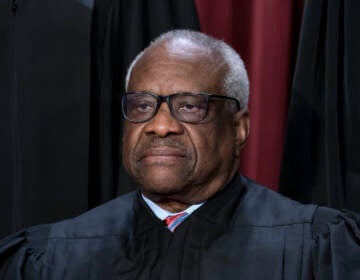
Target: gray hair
{"points": [[235, 82]]}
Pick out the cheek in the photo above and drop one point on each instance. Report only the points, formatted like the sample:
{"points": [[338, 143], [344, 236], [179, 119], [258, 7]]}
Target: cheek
{"points": [[214, 144], [131, 136], [206, 143]]}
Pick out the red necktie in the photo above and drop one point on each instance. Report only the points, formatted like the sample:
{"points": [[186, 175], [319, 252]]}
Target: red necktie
{"points": [[172, 222]]}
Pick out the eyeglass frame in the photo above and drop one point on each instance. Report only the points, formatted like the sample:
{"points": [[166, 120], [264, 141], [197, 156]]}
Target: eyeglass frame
{"points": [[167, 98]]}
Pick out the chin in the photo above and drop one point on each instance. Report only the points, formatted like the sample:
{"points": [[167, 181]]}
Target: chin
{"points": [[162, 185], [163, 178]]}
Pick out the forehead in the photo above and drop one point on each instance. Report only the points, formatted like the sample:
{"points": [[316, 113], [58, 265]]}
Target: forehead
{"points": [[177, 67]]}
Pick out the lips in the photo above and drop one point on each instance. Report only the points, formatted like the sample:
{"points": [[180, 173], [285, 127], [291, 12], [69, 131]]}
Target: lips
{"points": [[161, 154]]}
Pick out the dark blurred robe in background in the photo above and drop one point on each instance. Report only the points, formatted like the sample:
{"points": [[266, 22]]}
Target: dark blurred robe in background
{"points": [[62, 64]]}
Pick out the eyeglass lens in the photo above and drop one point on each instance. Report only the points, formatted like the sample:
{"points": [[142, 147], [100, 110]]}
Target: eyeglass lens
{"points": [[140, 107]]}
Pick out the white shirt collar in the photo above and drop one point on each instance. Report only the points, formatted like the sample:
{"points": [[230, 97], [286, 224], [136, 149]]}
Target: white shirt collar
{"points": [[162, 213]]}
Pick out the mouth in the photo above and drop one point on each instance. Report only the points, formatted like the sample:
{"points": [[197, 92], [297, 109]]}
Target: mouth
{"points": [[162, 155]]}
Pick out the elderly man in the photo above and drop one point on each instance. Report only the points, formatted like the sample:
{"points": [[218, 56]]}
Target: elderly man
{"points": [[194, 216]]}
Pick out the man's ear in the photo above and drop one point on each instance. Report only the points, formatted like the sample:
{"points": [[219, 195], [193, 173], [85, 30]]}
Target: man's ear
{"points": [[242, 130]]}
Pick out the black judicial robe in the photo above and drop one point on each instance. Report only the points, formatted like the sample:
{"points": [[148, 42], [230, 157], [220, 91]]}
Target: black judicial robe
{"points": [[245, 232]]}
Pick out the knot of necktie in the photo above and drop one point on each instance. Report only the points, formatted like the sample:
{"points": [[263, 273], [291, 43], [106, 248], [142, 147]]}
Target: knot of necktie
{"points": [[173, 221]]}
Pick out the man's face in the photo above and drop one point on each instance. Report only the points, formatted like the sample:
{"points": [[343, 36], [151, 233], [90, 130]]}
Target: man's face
{"points": [[175, 160]]}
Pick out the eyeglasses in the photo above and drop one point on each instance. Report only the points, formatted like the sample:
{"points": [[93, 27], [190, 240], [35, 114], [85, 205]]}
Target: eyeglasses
{"points": [[138, 107]]}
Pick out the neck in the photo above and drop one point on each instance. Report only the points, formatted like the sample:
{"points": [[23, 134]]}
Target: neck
{"points": [[174, 207], [170, 205]]}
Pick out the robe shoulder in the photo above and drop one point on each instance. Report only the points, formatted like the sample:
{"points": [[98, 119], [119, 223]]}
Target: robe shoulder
{"points": [[263, 207], [111, 218], [334, 236], [30, 250]]}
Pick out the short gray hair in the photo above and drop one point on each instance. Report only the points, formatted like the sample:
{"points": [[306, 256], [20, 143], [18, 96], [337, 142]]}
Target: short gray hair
{"points": [[236, 81]]}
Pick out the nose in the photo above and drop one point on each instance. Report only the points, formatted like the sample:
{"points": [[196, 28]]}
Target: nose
{"points": [[163, 123]]}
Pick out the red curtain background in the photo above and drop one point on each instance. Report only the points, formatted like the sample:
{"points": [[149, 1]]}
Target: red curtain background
{"points": [[265, 33]]}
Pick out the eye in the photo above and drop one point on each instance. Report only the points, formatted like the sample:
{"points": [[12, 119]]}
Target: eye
{"points": [[144, 106], [188, 103], [140, 104], [187, 107]]}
